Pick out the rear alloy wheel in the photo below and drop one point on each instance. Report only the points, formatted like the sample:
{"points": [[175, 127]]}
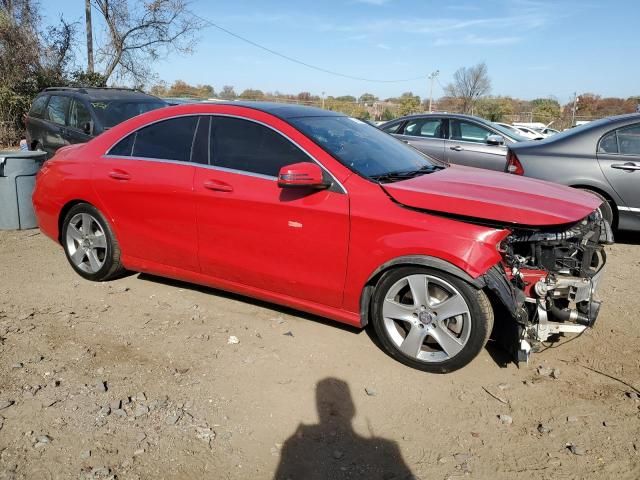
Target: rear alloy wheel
{"points": [[90, 245], [430, 320]]}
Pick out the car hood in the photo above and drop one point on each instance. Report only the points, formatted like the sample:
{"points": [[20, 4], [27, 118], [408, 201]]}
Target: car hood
{"points": [[493, 197]]}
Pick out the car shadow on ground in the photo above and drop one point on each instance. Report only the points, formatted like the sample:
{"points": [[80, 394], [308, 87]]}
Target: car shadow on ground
{"points": [[331, 449], [498, 354], [249, 300]]}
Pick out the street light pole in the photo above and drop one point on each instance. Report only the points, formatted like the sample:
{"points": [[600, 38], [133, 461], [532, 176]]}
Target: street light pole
{"points": [[432, 77], [576, 99], [323, 100]]}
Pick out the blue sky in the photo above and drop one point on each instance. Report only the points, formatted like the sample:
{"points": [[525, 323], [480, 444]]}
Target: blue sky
{"points": [[533, 48]]}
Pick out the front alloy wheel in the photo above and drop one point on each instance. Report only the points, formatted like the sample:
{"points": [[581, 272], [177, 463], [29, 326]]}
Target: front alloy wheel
{"points": [[430, 320]]}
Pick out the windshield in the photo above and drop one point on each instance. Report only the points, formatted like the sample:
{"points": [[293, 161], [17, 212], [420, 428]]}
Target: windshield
{"points": [[113, 112], [511, 133], [363, 148]]}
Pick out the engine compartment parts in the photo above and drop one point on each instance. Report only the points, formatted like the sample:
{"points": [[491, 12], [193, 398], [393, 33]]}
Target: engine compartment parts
{"points": [[557, 272]]}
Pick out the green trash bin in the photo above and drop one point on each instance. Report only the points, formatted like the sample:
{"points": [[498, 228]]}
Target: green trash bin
{"points": [[17, 178]]}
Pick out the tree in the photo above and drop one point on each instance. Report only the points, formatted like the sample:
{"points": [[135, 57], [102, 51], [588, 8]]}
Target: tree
{"points": [[30, 60], [251, 94], [468, 85], [494, 108], [545, 110], [409, 103], [346, 98], [368, 98], [227, 93], [387, 115], [138, 33]]}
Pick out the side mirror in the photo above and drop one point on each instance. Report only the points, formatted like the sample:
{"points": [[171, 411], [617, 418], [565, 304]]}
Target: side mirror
{"points": [[304, 174], [495, 140], [87, 127]]}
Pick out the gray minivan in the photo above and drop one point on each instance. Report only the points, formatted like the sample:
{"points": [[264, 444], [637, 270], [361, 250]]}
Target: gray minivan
{"points": [[461, 139], [61, 116]]}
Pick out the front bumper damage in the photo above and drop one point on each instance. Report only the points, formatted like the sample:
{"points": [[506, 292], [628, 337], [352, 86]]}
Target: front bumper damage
{"points": [[548, 283]]}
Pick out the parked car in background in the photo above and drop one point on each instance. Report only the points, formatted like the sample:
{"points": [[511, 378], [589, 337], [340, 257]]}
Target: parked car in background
{"points": [[547, 132], [460, 139], [601, 156], [528, 133], [322, 212], [62, 116]]}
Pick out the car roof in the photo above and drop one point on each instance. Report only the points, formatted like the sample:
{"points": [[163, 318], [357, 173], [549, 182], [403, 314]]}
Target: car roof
{"points": [[97, 94], [285, 110]]}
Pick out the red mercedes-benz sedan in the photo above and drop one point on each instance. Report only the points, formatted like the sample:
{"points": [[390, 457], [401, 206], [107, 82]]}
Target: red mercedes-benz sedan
{"points": [[324, 213]]}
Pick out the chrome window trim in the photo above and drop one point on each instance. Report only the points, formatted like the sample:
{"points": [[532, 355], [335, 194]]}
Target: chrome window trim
{"points": [[213, 167]]}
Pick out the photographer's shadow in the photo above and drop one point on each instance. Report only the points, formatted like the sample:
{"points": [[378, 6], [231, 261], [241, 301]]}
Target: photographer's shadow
{"points": [[333, 450]]}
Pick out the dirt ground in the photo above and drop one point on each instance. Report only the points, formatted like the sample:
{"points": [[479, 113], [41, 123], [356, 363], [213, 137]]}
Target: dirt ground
{"points": [[136, 378]]}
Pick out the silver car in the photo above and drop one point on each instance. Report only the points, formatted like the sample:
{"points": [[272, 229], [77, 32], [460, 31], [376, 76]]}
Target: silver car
{"points": [[461, 139], [602, 157]]}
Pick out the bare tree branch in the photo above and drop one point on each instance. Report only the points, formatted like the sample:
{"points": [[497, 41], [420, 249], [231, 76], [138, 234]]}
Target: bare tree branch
{"points": [[469, 84], [138, 33]]}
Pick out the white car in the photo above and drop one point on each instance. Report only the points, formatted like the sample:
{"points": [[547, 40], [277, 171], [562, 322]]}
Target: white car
{"points": [[523, 131]]}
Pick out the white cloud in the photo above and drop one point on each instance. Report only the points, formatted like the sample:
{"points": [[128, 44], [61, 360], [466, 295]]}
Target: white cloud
{"points": [[383, 46], [472, 39]]}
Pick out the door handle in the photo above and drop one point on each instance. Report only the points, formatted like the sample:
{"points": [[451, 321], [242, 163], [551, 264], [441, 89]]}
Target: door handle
{"points": [[630, 166], [119, 175], [457, 148], [405, 141], [218, 186]]}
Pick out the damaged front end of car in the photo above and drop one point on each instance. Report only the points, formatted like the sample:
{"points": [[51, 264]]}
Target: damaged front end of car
{"points": [[547, 280]]}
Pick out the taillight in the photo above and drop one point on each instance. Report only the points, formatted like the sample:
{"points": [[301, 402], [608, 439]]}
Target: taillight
{"points": [[513, 164]]}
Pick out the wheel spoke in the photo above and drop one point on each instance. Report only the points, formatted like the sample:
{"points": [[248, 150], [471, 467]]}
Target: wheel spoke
{"points": [[413, 341], [397, 311], [93, 260], [419, 285], [445, 339], [99, 241], [86, 224], [78, 256], [74, 233], [451, 307]]}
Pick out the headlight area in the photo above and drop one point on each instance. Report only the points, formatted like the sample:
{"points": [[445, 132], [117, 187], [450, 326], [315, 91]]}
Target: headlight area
{"points": [[554, 275]]}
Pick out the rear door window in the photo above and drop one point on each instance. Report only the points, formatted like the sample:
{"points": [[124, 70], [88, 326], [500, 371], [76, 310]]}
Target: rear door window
{"points": [[629, 140], [78, 115], [170, 139], [424, 127], [167, 140], [609, 143], [393, 128], [250, 147], [37, 109], [57, 109]]}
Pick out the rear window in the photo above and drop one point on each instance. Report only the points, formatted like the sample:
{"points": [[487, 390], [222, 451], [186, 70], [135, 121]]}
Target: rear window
{"points": [[37, 109], [56, 110], [112, 112]]}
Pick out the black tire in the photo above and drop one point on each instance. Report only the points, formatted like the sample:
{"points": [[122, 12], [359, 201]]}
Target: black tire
{"points": [[111, 266], [606, 209], [480, 319]]}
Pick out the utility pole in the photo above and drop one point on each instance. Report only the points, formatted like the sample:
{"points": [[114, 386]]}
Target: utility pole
{"points": [[87, 14], [432, 77], [576, 99], [323, 100]]}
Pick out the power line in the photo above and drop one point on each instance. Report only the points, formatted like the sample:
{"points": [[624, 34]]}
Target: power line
{"points": [[300, 62]]}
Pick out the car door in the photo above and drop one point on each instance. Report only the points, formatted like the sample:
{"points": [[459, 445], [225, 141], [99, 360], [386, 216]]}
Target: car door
{"points": [[80, 122], [619, 159], [467, 145], [426, 134], [254, 233], [55, 125], [145, 183]]}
